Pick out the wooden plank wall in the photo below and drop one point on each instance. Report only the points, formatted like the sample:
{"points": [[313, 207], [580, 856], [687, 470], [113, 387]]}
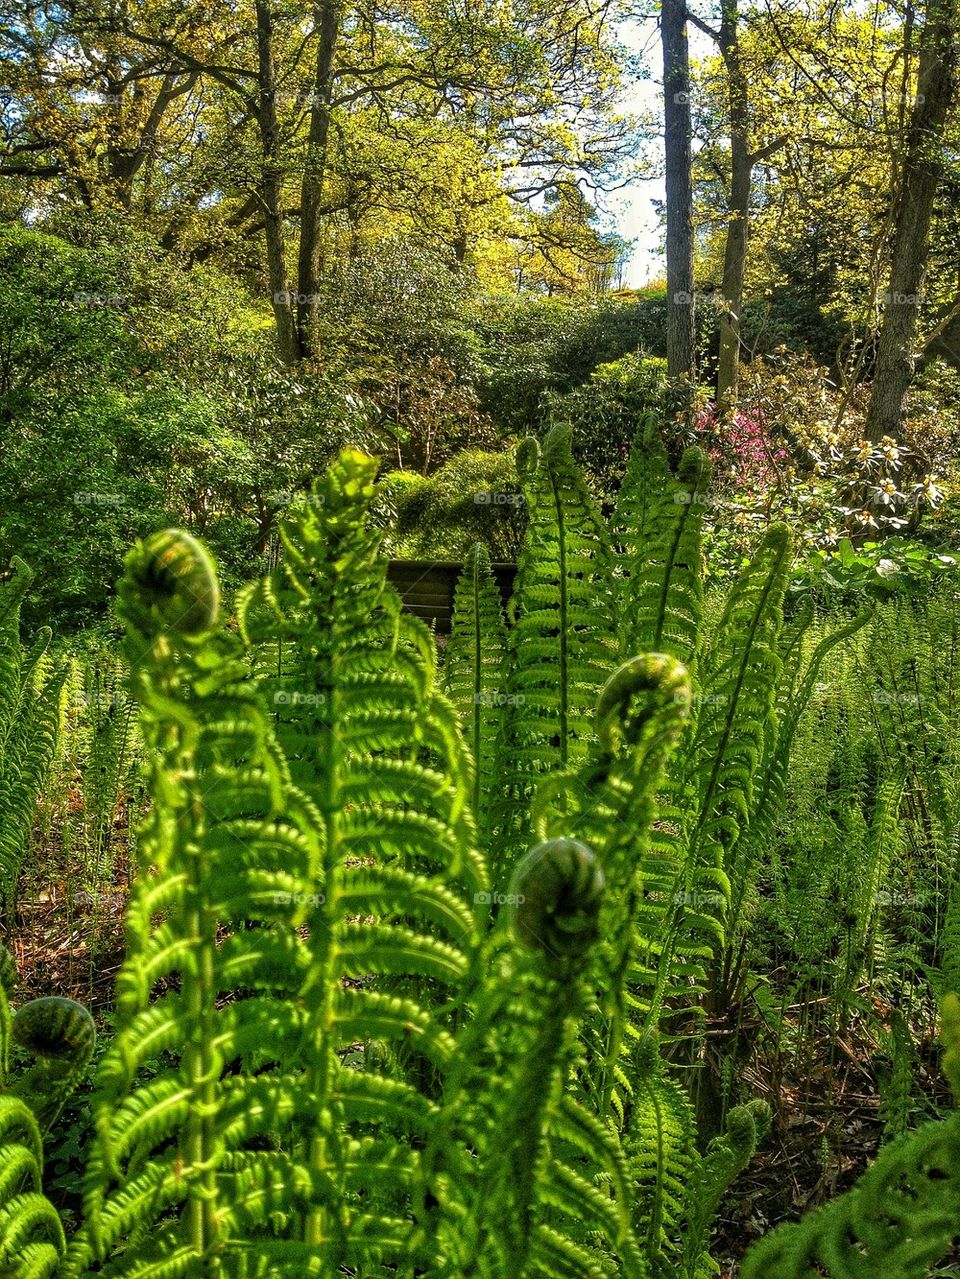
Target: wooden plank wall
{"points": [[427, 587]]}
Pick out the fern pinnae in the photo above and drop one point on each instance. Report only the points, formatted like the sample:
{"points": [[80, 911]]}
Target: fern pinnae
{"points": [[794, 691], [560, 646], [740, 678], [32, 1239], [379, 749], [647, 470], [225, 817], [475, 671], [30, 714], [662, 594]]}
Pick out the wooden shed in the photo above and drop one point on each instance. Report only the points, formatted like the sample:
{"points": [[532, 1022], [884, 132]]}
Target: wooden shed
{"points": [[427, 587]]}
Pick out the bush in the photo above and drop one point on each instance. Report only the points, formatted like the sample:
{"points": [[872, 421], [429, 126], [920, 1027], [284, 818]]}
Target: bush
{"points": [[604, 412], [475, 497]]}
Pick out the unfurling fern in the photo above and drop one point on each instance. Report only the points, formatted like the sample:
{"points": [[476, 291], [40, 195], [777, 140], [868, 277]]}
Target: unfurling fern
{"points": [[334, 1054], [177, 1172], [30, 688], [61, 1034], [524, 1206], [725, 1158]]}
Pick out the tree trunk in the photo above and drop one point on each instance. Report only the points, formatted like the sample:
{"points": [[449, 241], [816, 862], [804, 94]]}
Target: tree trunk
{"points": [[327, 20], [271, 192], [922, 161], [681, 332], [738, 227]]}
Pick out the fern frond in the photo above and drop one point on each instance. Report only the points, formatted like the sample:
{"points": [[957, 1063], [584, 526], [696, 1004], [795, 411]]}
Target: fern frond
{"points": [[561, 646], [475, 673], [662, 572]]}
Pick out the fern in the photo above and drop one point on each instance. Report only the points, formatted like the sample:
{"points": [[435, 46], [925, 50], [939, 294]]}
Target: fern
{"points": [[660, 521], [60, 1034], [475, 673], [177, 1164], [110, 752], [794, 689], [560, 643], [30, 688], [333, 1053], [725, 1158]]}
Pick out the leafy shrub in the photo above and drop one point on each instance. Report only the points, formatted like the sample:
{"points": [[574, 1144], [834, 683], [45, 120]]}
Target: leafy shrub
{"points": [[474, 497], [603, 414], [895, 566]]}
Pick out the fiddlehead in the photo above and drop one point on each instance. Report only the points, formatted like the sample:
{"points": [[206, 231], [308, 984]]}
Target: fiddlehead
{"points": [[170, 585], [725, 1158], [177, 1175], [32, 1241], [61, 1034], [555, 897]]}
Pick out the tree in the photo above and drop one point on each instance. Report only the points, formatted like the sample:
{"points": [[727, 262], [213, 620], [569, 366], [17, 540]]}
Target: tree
{"points": [[278, 140], [681, 320], [913, 200], [741, 164]]}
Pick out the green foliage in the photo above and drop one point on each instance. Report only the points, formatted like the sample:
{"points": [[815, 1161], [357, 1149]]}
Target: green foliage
{"points": [[876, 570], [475, 672], [109, 730], [475, 496], [658, 524], [134, 395], [533, 348], [604, 410], [30, 688], [340, 1042], [560, 647], [60, 1033]]}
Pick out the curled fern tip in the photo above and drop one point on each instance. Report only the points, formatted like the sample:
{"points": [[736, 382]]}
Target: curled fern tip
{"points": [[555, 896], [170, 585]]}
